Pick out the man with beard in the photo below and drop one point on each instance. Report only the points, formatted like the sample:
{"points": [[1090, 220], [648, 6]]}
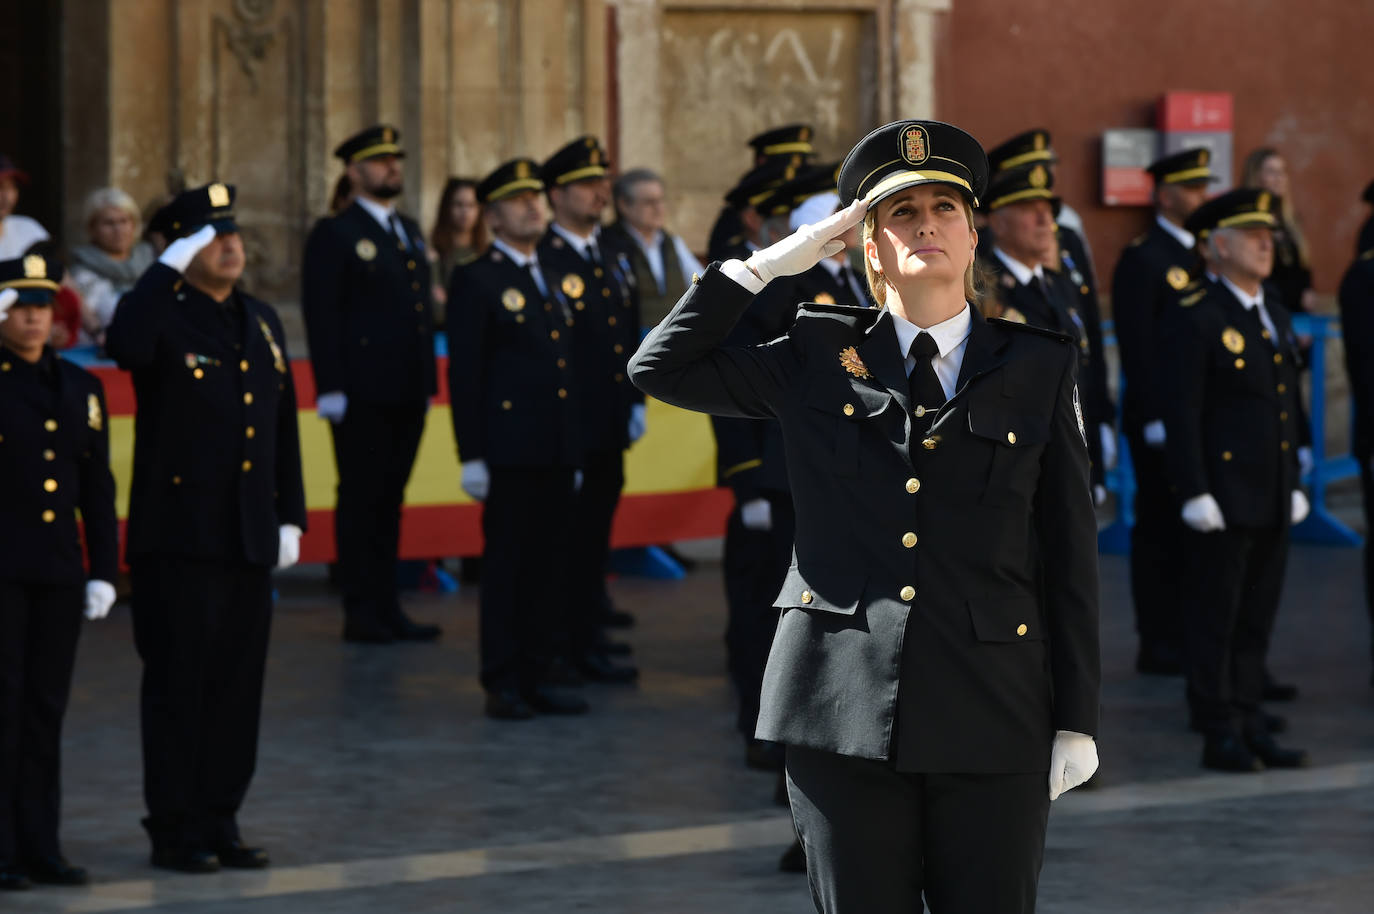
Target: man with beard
{"points": [[365, 294]]}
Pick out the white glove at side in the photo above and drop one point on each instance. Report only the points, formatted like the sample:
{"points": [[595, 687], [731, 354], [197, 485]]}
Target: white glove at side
{"points": [[100, 596], [476, 479], [577, 480], [1301, 506], [7, 298], [289, 546], [1305, 463], [807, 246], [1154, 433], [1099, 495], [1203, 514], [1108, 435], [181, 252], [332, 406], [756, 514], [1073, 760], [638, 424]]}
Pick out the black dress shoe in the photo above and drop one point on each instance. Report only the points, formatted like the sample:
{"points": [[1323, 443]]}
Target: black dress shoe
{"points": [[1278, 691], [1157, 658], [369, 632], [561, 673], [552, 701], [508, 704], [1228, 753], [406, 629], [596, 667], [55, 871], [239, 856], [793, 859], [12, 878], [185, 861], [1273, 755], [762, 756], [1275, 723]]}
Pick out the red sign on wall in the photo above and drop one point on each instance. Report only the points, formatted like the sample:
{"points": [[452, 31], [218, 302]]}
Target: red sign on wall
{"points": [[1193, 112]]}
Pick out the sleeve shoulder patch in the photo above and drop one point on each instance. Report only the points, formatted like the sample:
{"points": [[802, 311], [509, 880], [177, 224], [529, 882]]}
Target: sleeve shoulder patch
{"points": [[1188, 301]]}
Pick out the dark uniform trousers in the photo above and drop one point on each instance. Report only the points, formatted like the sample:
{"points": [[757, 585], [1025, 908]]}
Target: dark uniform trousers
{"points": [[1356, 301], [365, 295], [1156, 541], [54, 463], [217, 471], [589, 545]]}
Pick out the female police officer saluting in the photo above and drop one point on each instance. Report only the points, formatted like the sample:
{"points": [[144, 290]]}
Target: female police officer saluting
{"points": [[937, 650]]}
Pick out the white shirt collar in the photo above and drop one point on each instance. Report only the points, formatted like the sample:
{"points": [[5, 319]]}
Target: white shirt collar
{"points": [[948, 334], [1184, 236], [1249, 301], [579, 244], [382, 212], [520, 260], [652, 244], [1018, 269]]}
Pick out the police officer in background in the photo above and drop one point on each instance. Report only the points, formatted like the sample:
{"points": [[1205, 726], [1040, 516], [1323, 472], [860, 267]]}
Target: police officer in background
{"points": [[517, 425], [744, 199], [54, 462], [1356, 299], [1233, 427], [595, 280], [365, 294], [217, 502], [781, 148], [1151, 273]]}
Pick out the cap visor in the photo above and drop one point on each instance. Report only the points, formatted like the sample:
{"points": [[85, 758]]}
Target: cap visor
{"points": [[36, 297], [225, 227], [899, 182]]}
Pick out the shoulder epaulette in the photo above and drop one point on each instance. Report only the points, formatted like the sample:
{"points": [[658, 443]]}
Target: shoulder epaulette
{"points": [[1028, 328], [1188, 301]]}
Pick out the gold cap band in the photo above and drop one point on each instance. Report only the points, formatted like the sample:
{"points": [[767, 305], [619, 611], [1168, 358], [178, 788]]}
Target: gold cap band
{"points": [[900, 179], [1038, 155], [577, 174], [1030, 193], [511, 188], [780, 148], [1255, 218], [1188, 174], [380, 149]]}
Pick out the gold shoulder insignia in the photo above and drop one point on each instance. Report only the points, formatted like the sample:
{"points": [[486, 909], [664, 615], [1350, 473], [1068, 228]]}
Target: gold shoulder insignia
{"points": [[1177, 278], [824, 298], [278, 362], [95, 418], [1193, 299]]}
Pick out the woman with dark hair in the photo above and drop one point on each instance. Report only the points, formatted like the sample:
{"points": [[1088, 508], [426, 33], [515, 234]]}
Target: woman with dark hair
{"points": [[459, 236], [1266, 169]]}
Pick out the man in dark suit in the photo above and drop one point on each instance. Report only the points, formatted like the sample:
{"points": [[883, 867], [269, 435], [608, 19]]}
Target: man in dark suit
{"points": [[1233, 424], [54, 462], [365, 295], [595, 280], [936, 662], [1151, 273], [217, 502], [1356, 300], [516, 421]]}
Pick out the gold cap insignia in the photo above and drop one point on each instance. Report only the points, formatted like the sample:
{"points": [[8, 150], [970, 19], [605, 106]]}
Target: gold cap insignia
{"points": [[849, 358], [914, 144], [35, 267], [804, 134], [573, 286], [1038, 176], [1262, 203], [278, 361], [1203, 156], [365, 249], [512, 300], [522, 169], [1039, 141], [95, 418], [595, 157], [1233, 340], [387, 135], [824, 298], [1177, 277], [219, 195]]}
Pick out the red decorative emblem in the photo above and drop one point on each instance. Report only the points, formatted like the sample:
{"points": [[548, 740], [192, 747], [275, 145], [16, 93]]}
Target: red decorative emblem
{"points": [[915, 144], [849, 358]]}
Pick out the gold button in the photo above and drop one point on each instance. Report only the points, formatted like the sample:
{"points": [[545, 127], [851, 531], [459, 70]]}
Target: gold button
{"points": [[505, 404], [568, 321], [913, 485], [605, 293], [1278, 358], [598, 272], [4, 366], [419, 306], [611, 321], [1283, 445], [928, 444], [247, 465], [908, 593], [1283, 388], [1240, 363], [553, 335], [562, 394], [176, 480], [618, 349], [50, 425], [619, 377], [519, 318], [562, 363], [1283, 416], [581, 306], [849, 409], [920, 412], [415, 286], [1226, 455], [1011, 437], [908, 540], [47, 455], [410, 264], [1265, 334], [1021, 629], [243, 365], [548, 306], [806, 596], [50, 485], [49, 516], [250, 432], [248, 398], [198, 374]]}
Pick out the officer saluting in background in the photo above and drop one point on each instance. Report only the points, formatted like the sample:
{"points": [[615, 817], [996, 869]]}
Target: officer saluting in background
{"points": [[54, 462], [518, 429], [365, 294], [217, 501]]}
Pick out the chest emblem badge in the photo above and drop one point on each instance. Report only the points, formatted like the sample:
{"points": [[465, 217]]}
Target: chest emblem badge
{"points": [[95, 418], [849, 358], [365, 249], [1177, 278], [512, 300], [573, 286], [278, 360], [1232, 339]]}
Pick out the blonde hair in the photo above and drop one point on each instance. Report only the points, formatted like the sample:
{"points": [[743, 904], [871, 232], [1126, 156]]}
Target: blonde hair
{"points": [[112, 198], [877, 283], [1254, 164]]}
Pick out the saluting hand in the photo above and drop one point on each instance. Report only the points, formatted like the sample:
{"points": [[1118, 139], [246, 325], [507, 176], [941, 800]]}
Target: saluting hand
{"points": [[181, 252], [7, 298], [807, 246]]}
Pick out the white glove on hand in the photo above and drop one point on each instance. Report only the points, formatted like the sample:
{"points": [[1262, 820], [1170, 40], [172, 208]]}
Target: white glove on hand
{"points": [[1301, 506], [1305, 463], [100, 596], [577, 480], [807, 246], [181, 252], [638, 424], [7, 298], [1073, 760], [289, 546], [1108, 445], [1203, 514], [476, 479], [756, 514], [332, 406], [1154, 433], [1099, 495]]}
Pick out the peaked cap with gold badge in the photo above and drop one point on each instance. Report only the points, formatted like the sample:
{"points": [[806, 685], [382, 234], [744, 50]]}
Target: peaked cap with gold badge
{"points": [[212, 204], [33, 276], [907, 153], [783, 142], [760, 181], [378, 140], [581, 159], [1024, 182], [1022, 149], [1191, 166], [510, 178], [1243, 207]]}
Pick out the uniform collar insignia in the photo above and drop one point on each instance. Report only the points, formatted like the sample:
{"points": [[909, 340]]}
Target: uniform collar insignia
{"points": [[851, 362]]}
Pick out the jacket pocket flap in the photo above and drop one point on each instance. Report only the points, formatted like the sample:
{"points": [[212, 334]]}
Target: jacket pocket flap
{"points": [[1006, 428], [1006, 619], [831, 589]]}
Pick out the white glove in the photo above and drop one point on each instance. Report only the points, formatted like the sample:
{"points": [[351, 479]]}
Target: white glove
{"points": [[807, 246], [7, 298], [100, 596], [181, 252], [1301, 507], [1073, 760], [756, 514], [577, 480], [638, 425], [1154, 433], [1108, 445], [332, 406], [289, 546], [1203, 514], [476, 480], [1099, 495], [1304, 460]]}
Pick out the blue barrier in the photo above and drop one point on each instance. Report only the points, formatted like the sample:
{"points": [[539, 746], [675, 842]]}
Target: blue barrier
{"points": [[1320, 527]]}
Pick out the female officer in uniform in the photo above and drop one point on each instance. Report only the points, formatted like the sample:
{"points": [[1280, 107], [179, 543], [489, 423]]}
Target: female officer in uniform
{"points": [[934, 674]]}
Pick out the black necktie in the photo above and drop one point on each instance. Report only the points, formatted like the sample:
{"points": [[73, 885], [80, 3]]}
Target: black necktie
{"points": [[851, 285], [593, 254], [537, 275], [927, 394], [398, 233]]}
